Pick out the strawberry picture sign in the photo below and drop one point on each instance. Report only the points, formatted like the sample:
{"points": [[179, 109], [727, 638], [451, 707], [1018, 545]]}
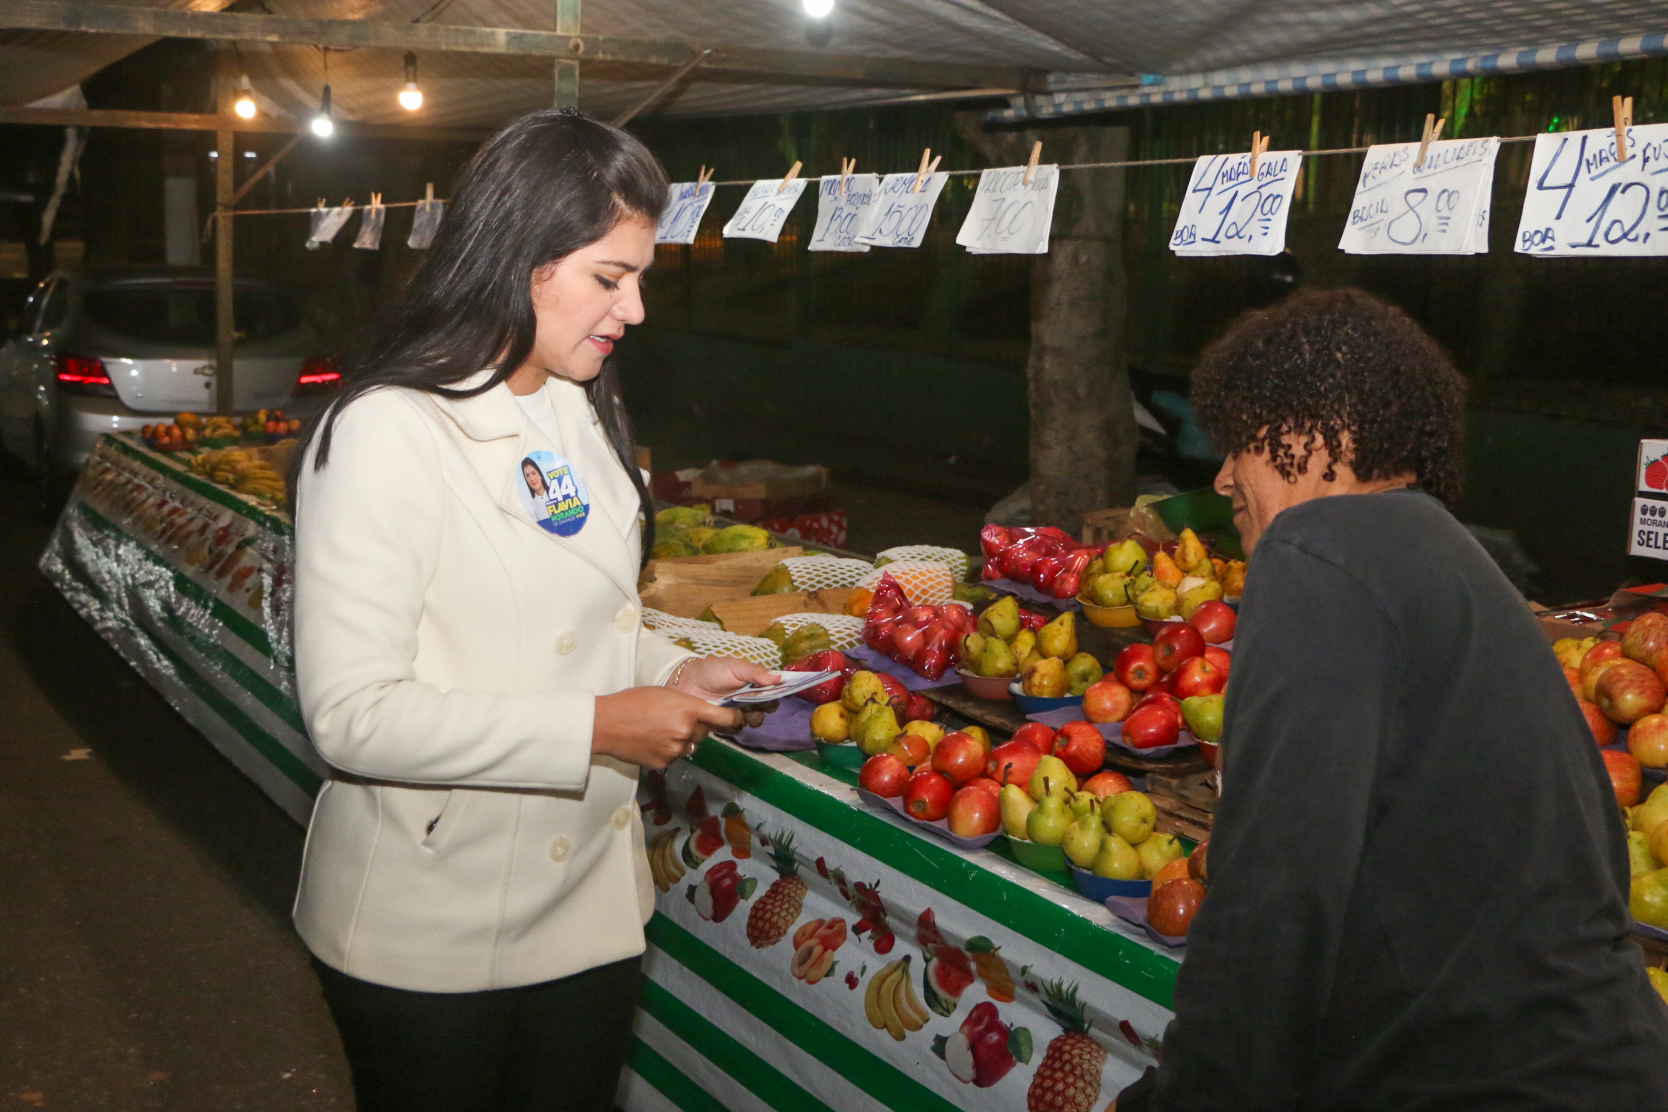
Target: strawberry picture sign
{"points": [[1649, 534]]}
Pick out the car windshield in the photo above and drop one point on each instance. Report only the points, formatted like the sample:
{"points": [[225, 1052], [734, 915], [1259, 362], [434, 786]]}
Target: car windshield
{"points": [[181, 314]]}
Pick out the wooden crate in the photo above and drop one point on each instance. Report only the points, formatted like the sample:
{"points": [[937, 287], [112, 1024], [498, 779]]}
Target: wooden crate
{"points": [[1185, 804], [687, 585]]}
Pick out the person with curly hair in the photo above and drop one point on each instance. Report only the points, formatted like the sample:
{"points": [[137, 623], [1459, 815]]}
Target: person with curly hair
{"points": [[1418, 868]]}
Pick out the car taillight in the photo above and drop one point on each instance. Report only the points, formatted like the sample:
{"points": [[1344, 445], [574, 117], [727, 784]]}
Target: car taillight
{"points": [[318, 376], [83, 374]]}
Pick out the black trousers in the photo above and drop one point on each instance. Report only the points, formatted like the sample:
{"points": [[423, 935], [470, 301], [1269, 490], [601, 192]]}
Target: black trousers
{"points": [[551, 1047]]}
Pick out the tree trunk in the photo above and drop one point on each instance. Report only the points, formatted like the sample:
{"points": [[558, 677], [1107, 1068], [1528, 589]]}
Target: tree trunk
{"points": [[1083, 433]]}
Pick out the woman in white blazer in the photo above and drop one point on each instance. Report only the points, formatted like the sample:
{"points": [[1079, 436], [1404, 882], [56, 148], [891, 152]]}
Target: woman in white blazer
{"points": [[472, 661]]}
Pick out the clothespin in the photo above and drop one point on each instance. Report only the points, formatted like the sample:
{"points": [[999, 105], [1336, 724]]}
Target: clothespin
{"points": [[376, 200], [704, 176], [793, 172], [1623, 109], [1259, 147], [921, 174], [1433, 132], [347, 202], [1031, 166], [847, 165], [323, 203], [428, 192]]}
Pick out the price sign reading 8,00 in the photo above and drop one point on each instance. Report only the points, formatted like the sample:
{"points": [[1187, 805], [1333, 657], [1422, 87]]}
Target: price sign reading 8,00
{"points": [[1227, 212], [1583, 201]]}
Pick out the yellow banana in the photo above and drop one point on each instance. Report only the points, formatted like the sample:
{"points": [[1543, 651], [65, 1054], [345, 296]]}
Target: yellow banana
{"points": [[871, 998], [669, 855], [900, 1002], [914, 1002], [894, 1025]]}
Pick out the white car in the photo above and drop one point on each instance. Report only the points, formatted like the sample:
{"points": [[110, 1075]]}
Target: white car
{"points": [[111, 349]]}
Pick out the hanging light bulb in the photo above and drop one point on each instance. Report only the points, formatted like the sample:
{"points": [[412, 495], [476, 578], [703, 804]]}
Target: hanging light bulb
{"points": [[244, 106], [411, 97], [818, 9], [323, 126]]}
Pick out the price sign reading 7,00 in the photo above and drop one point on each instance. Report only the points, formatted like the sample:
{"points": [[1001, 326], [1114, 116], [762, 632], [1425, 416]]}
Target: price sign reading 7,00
{"points": [[1228, 212], [1583, 201]]}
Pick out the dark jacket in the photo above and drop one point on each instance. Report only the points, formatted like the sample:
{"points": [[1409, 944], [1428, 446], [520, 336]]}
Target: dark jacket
{"points": [[1419, 872]]}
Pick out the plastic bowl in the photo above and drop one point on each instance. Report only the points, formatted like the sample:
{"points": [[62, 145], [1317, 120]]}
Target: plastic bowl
{"points": [[1109, 617], [1098, 888], [1043, 859], [843, 754], [1211, 751], [986, 687], [1038, 704], [1155, 626]]}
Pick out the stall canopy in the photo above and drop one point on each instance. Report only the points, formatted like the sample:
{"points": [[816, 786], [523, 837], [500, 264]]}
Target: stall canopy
{"points": [[1053, 57]]}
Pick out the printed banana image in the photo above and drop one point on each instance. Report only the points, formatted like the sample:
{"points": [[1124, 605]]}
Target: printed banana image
{"points": [[890, 1002], [664, 865]]}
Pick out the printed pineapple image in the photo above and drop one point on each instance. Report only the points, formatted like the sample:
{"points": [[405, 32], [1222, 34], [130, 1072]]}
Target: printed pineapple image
{"points": [[1068, 1079], [771, 918]]}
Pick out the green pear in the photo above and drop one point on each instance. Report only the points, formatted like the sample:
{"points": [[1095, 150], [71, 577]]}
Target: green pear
{"points": [[1157, 602], [1082, 803], [1059, 637], [972, 647], [875, 729], [1047, 825], [1194, 597], [1052, 777], [1639, 859], [1097, 566], [1017, 806], [1130, 817], [1001, 618], [1204, 716], [1024, 643], [1045, 677], [1157, 852], [1117, 860], [1083, 839], [1654, 810], [1082, 670], [997, 659], [1648, 899], [862, 689], [1127, 557], [1111, 589]]}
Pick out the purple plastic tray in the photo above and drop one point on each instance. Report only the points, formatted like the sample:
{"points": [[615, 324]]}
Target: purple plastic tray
{"points": [[941, 828], [903, 673], [1133, 910], [785, 730], [1650, 932], [1113, 732], [1028, 593]]}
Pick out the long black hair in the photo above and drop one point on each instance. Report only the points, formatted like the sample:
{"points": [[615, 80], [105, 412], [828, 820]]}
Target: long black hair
{"points": [[548, 184]]}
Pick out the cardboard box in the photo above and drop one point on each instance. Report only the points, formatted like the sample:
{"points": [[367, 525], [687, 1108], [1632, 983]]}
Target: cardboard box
{"points": [[686, 586], [758, 479]]}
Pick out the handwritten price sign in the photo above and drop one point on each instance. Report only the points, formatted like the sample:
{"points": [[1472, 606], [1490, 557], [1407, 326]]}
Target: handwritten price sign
{"points": [[1582, 201], [764, 210], [1009, 217], [686, 203], [897, 217], [1440, 207], [838, 214], [1226, 212]]}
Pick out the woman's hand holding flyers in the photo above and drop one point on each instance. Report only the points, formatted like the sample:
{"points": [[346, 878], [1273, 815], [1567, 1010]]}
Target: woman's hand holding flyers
{"points": [[654, 726]]}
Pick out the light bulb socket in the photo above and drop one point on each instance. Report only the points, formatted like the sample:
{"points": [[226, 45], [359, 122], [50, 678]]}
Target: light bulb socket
{"points": [[410, 69], [324, 103]]}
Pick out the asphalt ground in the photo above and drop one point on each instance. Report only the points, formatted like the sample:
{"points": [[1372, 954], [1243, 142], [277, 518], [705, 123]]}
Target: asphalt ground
{"points": [[147, 960]]}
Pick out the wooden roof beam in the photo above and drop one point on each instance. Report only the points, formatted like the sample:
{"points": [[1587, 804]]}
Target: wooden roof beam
{"points": [[802, 65], [206, 121]]}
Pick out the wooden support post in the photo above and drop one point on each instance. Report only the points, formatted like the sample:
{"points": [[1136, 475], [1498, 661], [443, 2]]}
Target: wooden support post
{"points": [[567, 69], [224, 324]]}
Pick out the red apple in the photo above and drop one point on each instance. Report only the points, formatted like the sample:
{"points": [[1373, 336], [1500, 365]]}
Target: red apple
{"points": [[1198, 676], [907, 640], [1215, 620], [1598, 654], [1038, 735], [1081, 748], [884, 774], [829, 660], [1647, 739], [1013, 762], [1604, 730], [921, 708], [1646, 637], [927, 795], [985, 784], [1135, 667], [1590, 676], [1629, 691], [897, 694], [1109, 782], [1107, 701], [959, 757], [1573, 678], [1166, 700], [1172, 906], [1221, 658], [1150, 727], [1175, 643], [974, 813], [1198, 866], [911, 749], [1624, 775]]}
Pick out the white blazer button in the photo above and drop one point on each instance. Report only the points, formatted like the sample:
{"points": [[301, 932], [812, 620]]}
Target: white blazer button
{"points": [[622, 817], [626, 620], [560, 848], [565, 642]]}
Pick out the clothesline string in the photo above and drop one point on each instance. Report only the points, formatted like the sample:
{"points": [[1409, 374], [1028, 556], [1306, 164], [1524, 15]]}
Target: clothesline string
{"points": [[1130, 164]]}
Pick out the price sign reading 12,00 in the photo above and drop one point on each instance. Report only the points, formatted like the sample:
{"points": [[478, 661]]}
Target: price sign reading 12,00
{"points": [[1228, 212], [1583, 201]]}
